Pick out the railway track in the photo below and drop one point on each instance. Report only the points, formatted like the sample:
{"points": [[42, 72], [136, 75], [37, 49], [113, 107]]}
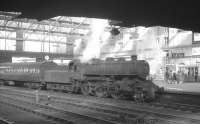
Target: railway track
{"points": [[178, 107], [4, 121], [54, 113], [173, 105], [128, 114], [117, 114]]}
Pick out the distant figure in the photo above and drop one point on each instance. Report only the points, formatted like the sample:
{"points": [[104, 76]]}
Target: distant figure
{"points": [[71, 64], [188, 72], [183, 75], [178, 76], [75, 67], [170, 77], [174, 77], [167, 75], [196, 75]]}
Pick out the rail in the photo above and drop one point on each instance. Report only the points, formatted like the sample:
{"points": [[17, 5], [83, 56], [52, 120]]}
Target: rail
{"points": [[4, 121]]}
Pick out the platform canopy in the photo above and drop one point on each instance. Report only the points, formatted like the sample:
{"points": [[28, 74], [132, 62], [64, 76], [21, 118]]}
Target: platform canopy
{"points": [[168, 13]]}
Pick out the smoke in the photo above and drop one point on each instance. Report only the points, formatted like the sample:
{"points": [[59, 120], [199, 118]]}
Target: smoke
{"points": [[93, 48], [157, 63], [77, 45], [149, 48], [180, 38]]}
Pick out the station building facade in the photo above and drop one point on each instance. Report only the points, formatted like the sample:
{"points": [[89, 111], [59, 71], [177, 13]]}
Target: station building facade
{"points": [[173, 54]]}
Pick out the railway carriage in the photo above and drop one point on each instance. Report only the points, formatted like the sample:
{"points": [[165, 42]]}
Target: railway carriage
{"points": [[28, 74]]}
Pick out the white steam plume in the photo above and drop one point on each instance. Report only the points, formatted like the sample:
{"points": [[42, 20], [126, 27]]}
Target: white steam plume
{"points": [[93, 48]]}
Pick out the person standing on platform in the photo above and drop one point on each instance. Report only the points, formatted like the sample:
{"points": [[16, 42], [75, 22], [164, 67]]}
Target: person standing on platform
{"points": [[174, 77], [170, 77], [196, 75], [178, 76], [167, 75], [182, 76]]}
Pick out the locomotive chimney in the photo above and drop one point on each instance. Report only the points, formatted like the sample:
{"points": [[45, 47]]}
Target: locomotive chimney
{"points": [[134, 57]]}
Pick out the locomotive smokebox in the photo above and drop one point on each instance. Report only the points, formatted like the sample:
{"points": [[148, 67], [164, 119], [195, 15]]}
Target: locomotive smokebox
{"points": [[134, 57]]}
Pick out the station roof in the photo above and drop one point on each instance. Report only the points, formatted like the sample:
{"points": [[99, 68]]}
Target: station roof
{"points": [[168, 13]]}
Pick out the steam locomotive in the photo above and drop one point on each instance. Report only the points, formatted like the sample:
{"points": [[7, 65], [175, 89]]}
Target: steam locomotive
{"points": [[115, 78]]}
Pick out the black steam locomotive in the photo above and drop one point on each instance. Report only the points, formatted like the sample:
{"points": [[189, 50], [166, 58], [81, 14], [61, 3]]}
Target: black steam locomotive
{"points": [[115, 78]]}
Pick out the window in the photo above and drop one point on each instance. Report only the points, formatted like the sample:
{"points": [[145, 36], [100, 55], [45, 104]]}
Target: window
{"points": [[32, 46], [196, 38], [6, 44]]}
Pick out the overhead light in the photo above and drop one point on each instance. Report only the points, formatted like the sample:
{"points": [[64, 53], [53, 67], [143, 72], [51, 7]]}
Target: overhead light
{"points": [[115, 31]]}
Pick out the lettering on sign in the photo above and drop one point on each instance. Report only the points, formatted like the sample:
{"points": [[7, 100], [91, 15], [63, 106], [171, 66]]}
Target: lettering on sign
{"points": [[177, 55]]}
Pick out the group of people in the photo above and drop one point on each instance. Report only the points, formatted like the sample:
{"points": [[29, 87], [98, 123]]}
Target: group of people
{"points": [[173, 77], [180, 76]]}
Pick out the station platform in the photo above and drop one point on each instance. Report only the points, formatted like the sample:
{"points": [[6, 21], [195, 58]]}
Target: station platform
{"points": [[185, 87]]}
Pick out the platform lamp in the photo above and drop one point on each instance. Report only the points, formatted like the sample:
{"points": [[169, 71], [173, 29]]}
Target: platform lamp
{"points": [[115, 31]]}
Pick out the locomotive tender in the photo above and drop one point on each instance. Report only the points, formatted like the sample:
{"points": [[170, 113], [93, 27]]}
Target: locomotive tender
{"points": [[115, 78]]}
